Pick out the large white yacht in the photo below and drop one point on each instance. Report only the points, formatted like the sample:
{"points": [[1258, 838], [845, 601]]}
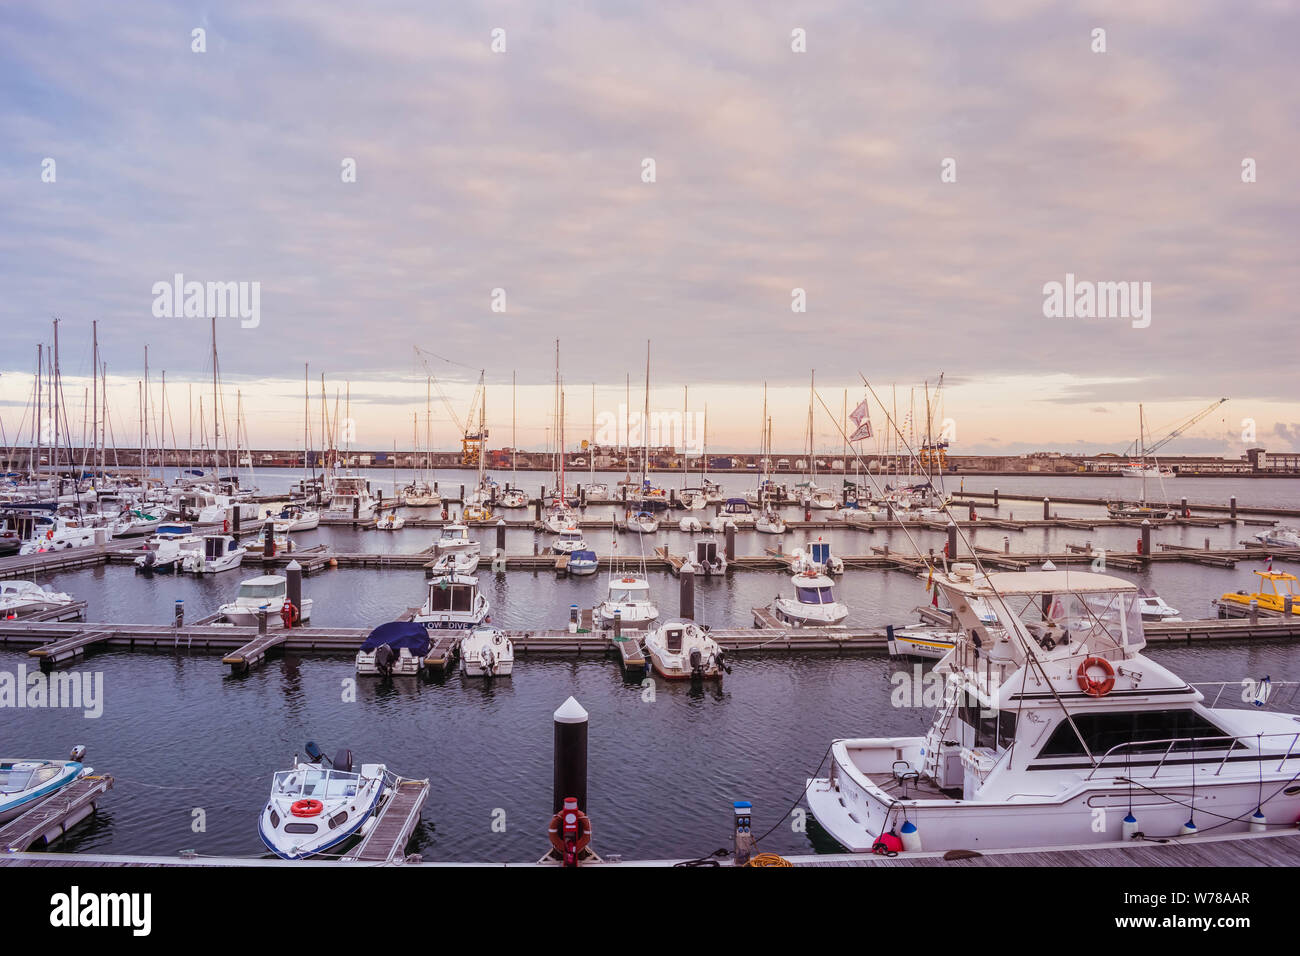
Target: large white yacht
{"points": [[1055, 729], [454, 603], [349, 497]]}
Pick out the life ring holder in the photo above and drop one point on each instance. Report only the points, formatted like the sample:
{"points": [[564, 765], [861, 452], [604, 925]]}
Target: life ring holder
{"points": [[306, 808], [1096, 688]]}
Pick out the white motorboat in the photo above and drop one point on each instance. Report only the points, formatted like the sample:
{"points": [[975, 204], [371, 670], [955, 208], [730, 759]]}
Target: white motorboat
{"points": [[455, 562], [707, 560], [813, 604], [927, 641], [349, 497], [135, 523], [300, 519], [1055, 729], [690, 525], [316, 806], [24, 598], [815, 556], [454, 603], [568, 541], [1154, 608], [269, 591], [57, 533], [273, 538], [477, 512], [455, 539], [399, 647], [168, 550], [596, 491], [769, 522], [629, 598], [713, 492], [737, 512], [682, 650], [583, 562], [513, 498], [486, 652], [25, 782], [1279, 538], [641, 522], [219, 552], [1138, 469], [390, 522]]}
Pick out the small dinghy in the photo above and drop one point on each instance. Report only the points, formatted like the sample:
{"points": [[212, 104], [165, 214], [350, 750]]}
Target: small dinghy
{"points": [[390, 522], [25, 782], [318, 805], [568, 541], [486, 652], [455, 538], [642, 522], [455, 562], [21, 598], [398, 647], [769, 522]]}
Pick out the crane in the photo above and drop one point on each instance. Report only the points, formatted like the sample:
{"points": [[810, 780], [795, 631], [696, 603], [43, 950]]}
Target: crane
{"points": [[472, 442], [1139, 448]]}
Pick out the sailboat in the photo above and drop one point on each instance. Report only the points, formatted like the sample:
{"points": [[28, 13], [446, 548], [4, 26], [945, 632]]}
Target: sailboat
{"points": [[596, 490], [559, 514], [419, 493], [1141, 469], [514, 496], [809, 495], [769, 520]]}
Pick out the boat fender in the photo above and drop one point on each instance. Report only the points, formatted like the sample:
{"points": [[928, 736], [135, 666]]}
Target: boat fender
{"points": [[1096, 688], [887, 844], [911, 839], [1129, 827], [1258, 822]]}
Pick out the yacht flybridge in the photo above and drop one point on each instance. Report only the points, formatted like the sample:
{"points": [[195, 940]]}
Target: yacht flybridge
{"points": [[1054, 729]]}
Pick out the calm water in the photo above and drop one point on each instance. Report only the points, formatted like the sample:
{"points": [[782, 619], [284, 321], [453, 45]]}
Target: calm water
{"points": [[180, 734]]}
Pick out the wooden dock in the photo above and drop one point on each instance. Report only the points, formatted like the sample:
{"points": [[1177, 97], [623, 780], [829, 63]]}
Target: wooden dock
{"points": [[70, 647], [53, 816], [254, 652], [387, 838]]}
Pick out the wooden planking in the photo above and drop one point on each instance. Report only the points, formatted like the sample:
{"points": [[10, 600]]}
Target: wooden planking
{"points": [[396, 822], [49, 818], [254, 652]]}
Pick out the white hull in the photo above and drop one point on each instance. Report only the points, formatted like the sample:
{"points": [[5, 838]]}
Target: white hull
{"points": [[793, 613]]}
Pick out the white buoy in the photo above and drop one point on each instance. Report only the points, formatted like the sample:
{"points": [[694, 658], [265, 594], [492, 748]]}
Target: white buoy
{"points": [[1188, 829], [911, 838], [1129, 828], [1258, 822]]}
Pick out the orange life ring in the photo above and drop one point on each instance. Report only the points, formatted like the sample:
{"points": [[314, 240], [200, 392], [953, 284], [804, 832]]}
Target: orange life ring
{"points": [[629, 580], [1096, 688], [306, 808]]}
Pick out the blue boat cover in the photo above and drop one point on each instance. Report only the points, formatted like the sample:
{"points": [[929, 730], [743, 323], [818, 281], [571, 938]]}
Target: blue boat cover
{"points": [[398, 634], [582, 556]]}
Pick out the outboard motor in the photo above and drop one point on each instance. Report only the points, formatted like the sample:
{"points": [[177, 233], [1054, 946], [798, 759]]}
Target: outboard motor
{"points": [[78, 753], [489, 661], [343, 761], [384, 659], [720, 659], [697, 663], [149, 560]]}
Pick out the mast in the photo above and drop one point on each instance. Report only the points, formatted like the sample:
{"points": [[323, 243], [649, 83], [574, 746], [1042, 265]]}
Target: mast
{"points": [[591, 448], [54, 399], [94, 388], [645, 421], [514, 439], [216, 428], [38, 419]]}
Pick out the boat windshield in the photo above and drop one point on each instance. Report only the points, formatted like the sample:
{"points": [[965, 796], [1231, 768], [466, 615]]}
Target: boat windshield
{"points": [[626, 596], [315, 783], [456, 597], [814, 595], [261, 590], [17, 779]]}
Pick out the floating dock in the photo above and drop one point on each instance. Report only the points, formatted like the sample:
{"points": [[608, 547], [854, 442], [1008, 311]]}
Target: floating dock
{"points": [[386, 840], [55, 815]]}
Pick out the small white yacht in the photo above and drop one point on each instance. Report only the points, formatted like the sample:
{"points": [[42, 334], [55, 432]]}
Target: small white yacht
{"points": [[316, 806], [168, 550], [300, 519], [558, 517], [568, 541], [455, 562], [276, 532], [219, 552], [390, 522], [769, 522], [693, 499], [813, 604], [486, 652], [513, 498], [707, 560], [641, 522], [59, 533], [737, 512], [398, 647], [1154, 608], [455, 538], [349, 497], [629, 597], [454, 603], [1279, 537], [682, 650], [1048, 716], [815, 556], [420, 494], [583, 562], [24, 598], [24, 782], [268, 591], [927, 641]]}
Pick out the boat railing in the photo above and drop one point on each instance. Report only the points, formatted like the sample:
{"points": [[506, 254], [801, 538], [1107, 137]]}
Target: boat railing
{"points": [[1228, 743], [1261, 694]]}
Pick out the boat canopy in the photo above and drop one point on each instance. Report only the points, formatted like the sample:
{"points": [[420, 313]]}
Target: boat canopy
{"points": [[400, 634], [582, 556]]}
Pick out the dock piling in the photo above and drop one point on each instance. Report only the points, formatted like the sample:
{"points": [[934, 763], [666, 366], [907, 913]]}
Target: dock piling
{"points": [[570, 772], [686, 595], [730, 545], [293, 586], [1047, 509]]}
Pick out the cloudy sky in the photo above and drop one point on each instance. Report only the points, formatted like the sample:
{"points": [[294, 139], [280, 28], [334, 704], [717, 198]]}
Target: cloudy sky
{"points": [[774, 170]]}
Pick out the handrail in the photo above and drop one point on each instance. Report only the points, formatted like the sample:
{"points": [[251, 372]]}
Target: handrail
{"points": [[1209, 744]]}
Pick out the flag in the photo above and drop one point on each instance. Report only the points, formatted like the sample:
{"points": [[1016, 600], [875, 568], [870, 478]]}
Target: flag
{"points": [[859, 413], [862, 431]]}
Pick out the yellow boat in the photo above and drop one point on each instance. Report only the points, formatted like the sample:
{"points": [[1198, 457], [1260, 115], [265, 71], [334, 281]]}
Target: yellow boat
{"points": [[1269, 601]]}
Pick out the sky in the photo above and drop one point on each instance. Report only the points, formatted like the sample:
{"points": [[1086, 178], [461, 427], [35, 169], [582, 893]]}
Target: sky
{"points": [[919, 170]]}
